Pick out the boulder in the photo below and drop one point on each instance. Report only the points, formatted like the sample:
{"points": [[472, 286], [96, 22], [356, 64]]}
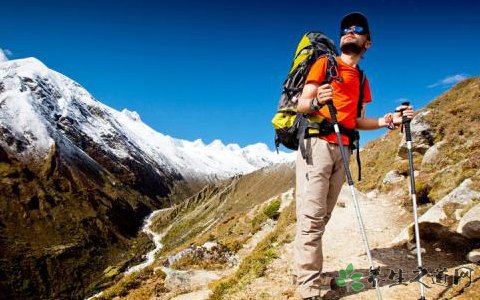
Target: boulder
{"points": [[474, 256], [191, 279], [173, 258], [210, 245], [392, 177], [443, 212], [422, 136], [469, 225], [431, 154], [209, 251], [460, 197]]}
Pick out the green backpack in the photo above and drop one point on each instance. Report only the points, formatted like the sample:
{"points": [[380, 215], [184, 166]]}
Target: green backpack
{"points": [[287, 121]]}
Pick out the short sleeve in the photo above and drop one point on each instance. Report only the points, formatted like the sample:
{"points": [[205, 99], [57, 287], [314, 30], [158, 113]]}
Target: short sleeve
{"points": [[367, 93], [317, 71]]}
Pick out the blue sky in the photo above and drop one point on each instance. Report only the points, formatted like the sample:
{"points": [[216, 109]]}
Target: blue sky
{"points": [[213, 70]]}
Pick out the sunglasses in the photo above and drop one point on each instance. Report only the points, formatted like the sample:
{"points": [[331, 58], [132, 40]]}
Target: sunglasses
{"points": [[355, 29]]}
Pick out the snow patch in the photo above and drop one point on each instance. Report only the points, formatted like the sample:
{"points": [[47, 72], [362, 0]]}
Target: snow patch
{"points": [[37, 100], [133, 115]]}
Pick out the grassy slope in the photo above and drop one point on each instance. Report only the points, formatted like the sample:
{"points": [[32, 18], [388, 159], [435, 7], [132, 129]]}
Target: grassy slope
{"points": [[219, 213], [256, 263], [454, 119]]}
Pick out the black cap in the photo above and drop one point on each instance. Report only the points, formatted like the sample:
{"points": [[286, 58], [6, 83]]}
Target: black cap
{"points": [[355, 18]]}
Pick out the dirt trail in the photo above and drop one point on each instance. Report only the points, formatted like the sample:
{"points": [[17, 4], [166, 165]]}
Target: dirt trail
{"points": [[384, 219]]}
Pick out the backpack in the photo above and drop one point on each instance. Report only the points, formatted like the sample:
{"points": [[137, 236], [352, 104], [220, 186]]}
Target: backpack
{"points": [[287, 121], [292, 127]]}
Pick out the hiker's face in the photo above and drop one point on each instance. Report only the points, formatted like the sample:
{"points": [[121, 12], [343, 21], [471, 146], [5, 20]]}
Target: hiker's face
{"points": [[352, 43]]}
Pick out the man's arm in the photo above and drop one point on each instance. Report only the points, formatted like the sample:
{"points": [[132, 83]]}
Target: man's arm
{"points": [[375, 123], [316, 93], [370, 123]]}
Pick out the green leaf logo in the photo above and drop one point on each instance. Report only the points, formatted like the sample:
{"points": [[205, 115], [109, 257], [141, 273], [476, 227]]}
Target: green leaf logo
{"points": [[352, 277], [349, 268], [340, 281], [357, 276], [357, 286]]}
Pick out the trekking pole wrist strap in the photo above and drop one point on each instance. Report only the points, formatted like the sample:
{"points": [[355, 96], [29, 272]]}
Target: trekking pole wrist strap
{"points": [[388, 120]]}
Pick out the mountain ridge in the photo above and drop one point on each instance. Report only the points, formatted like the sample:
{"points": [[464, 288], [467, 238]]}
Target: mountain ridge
{"points": [[75, 107], [78, 178]]}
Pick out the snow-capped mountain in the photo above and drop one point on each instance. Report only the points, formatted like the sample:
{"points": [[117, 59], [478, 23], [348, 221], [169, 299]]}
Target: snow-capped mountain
{"points": [[40, 106], [77, 179]]}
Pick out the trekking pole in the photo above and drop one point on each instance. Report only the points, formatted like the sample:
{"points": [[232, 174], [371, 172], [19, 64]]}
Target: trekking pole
{"points": [[373, 271], [408, 134]]}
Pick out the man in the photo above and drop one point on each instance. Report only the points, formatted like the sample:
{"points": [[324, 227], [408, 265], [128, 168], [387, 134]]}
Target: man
{"points": [[320, 178]]}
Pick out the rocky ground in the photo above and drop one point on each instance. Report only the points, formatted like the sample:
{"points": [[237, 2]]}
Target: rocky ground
{"points": [[384, 220]]}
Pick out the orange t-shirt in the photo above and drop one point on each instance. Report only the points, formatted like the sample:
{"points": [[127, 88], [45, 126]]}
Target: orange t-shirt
{"points": [[345, 94]]}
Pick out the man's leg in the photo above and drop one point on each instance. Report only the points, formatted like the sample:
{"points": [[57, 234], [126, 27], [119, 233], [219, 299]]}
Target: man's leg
{"points": [[300, 179], [312, 215], [337, 178]]}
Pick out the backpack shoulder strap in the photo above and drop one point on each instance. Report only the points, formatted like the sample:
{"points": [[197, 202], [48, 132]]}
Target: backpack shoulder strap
{"points": [[362, 87], [359, 114]]}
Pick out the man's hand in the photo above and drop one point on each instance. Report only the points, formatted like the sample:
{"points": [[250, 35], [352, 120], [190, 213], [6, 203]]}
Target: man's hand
{"points": [[400, 111], [324, 94]]}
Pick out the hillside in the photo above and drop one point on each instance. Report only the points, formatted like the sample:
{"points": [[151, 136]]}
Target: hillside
{"points": [[230, 215], [77, 179], [446, 146], [234, 241]]}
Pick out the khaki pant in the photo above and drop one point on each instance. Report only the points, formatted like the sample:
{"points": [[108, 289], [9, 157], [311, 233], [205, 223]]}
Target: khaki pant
{"points": [[318, 185]]}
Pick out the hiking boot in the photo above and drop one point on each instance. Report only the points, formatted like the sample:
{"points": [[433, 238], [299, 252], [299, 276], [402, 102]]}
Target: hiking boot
{"points": [[332, 295], [327, 281]]}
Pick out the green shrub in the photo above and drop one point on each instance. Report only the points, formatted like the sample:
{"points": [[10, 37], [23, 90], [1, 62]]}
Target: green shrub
{"points": [[272, 209], [127, 283], [232, 244]]}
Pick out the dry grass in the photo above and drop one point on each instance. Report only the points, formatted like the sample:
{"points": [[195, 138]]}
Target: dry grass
{"points": [[256, 263], [455, 119], [377, 158], [132, 282], [221, 215], [200, 258], [189, 262]]}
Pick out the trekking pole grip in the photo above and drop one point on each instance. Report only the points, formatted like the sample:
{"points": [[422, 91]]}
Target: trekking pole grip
{"points": [[406, 124], [333, 111]]}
